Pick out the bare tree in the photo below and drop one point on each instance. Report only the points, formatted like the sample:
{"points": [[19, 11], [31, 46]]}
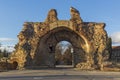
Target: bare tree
{"points": [[63, 55]]}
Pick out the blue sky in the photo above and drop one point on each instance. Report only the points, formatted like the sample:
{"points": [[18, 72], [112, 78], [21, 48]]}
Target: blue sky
{"points": [[13, 13]]}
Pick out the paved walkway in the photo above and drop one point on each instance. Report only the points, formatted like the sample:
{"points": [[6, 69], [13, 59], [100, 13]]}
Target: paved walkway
{"points": [[58, 74]]}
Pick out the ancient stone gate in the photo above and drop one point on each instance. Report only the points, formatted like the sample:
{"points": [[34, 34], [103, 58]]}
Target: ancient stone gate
{"points": [[37, 42]]}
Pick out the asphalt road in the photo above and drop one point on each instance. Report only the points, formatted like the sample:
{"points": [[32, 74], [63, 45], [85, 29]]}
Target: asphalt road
{"points": [[58, 74], [76, 77]]}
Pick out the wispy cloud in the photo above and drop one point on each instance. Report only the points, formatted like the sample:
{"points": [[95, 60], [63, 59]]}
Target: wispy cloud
{"points": [[115, 38], [7, 39], [9, 48]]}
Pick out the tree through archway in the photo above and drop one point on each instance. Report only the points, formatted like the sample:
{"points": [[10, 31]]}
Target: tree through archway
{"points": [[64, 53]]}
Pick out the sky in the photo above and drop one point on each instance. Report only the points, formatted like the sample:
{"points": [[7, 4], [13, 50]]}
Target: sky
{"points": [[13, 13]]}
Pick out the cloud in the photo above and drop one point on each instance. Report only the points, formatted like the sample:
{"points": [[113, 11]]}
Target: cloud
{"points": [[7, 39], [9, 48], [115, 38]]}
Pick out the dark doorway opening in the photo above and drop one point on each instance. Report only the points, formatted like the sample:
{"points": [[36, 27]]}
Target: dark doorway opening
{"points": [[15, 65]]}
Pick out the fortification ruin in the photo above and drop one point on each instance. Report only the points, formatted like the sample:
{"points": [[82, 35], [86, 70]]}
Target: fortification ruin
{"points": [[37, 42]]}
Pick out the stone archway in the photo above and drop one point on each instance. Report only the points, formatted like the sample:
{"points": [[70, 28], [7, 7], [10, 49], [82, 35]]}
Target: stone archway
{"points": [[46, 48], [37, 41]]}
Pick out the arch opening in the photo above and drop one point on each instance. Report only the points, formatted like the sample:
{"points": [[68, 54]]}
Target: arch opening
{"points": [[15, 65], [64, 54]]}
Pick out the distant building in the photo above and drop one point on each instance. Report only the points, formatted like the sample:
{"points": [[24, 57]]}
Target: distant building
{"points": [[115, 53]]}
